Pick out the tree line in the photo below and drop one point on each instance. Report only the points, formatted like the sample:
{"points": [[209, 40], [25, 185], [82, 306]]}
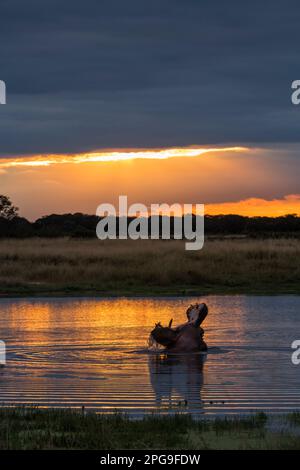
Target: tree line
{"points": [[80, 225]]}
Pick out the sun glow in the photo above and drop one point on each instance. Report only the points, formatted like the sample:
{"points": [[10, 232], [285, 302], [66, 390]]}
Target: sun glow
{"points": [[228, 180], [113, 156]]}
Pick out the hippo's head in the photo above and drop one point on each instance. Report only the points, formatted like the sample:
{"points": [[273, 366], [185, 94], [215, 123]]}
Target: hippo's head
{"points": [[190, 334], [164, 335], [196, 313]]}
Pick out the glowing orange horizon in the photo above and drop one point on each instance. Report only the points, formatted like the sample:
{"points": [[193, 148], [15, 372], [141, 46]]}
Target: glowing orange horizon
{"points": [[252, 207], [243, 180], [257, 207]]}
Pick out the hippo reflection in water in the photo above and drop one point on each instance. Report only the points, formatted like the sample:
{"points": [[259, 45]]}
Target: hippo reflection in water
{"points": [[185, 338], [177, 380]]}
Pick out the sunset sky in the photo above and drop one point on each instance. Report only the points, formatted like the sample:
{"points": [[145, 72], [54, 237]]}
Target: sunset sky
{"points": [[175, 101]]}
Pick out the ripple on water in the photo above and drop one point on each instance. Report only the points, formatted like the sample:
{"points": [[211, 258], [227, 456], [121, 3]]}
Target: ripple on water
{"points": [[71, 352]]}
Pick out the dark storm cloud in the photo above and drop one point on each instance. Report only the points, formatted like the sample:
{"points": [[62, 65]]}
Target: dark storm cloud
{"points": [[91, 74]]}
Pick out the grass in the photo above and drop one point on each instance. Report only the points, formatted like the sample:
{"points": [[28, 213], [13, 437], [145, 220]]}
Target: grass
{"points": [[66, 429], [126, 267]]}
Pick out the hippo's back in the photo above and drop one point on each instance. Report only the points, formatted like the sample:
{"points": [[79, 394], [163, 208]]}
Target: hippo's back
{"points": [[189, 340]]}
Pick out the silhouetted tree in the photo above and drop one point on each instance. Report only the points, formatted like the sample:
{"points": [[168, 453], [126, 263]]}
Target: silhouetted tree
{"points": [[84, 226], [7, 210]]}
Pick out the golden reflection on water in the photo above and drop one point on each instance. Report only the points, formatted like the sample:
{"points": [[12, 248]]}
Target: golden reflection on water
{"points": [[39, 316], [93, 352]]}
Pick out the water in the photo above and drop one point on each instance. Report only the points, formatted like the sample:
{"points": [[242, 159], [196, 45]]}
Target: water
{"points": [[93, 352]]}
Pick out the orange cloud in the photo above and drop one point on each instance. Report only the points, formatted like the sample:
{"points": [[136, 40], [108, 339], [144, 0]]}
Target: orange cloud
{"points": [[115, 156], [79, 183]]}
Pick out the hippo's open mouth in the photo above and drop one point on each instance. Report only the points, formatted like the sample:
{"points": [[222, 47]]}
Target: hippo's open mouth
{"points": [[187, 337]]}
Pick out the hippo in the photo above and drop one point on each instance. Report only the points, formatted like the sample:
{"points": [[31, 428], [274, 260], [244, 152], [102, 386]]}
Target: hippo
{"points": [[185, 338]]}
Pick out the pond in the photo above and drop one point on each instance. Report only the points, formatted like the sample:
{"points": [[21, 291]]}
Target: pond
{"points": [[93, 352]]}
